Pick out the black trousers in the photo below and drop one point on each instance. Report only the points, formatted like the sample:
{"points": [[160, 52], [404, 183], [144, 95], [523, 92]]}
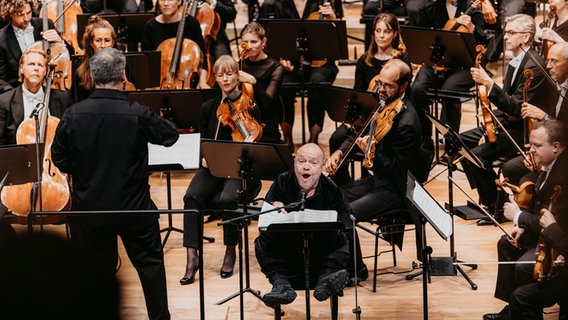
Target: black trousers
{"points": [[208, 191], [141, 238], [528, 301], [280, 255], [315, 108], [513, 276]]}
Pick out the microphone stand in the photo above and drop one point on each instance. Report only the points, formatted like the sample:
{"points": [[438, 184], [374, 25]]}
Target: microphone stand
{"points": [[357, 309]]}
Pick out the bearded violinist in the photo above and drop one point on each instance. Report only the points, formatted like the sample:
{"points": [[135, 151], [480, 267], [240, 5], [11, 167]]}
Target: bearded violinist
{"points": [[548, 145], [519, 35], [383, 191]]}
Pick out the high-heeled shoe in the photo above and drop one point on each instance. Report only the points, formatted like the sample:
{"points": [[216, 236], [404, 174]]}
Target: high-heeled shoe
{"points": [[188, 280], [228, 262]]}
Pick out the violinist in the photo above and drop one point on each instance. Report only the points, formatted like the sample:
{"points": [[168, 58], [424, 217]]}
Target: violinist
{"points": [[208, 190], [519, 35], [227, 12], [558, 30], [99, 34], [516, 170], [265, 74], [383, 191], [17, 104], [17, 36], [386, 44], [548, 145], [435, 15], [298, 9], [165, 25]]}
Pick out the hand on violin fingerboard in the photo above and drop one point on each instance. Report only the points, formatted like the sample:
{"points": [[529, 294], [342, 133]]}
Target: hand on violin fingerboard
{"points": [[287, 65], [489, 14], [361, 142], [67, 3], [546, 218], [465, 20], [531, 111], [480, 76], [551, 35], [327, 11], [331, 163], [511, 208], [246, 77]]}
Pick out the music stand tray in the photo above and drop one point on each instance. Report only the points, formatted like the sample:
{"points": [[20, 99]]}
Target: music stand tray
{"points": [[20, 161], [347, 105], [145, 68]]}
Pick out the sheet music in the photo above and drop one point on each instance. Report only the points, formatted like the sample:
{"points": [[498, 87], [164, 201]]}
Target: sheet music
{"points": [[438, 217], [308, 215], [185, 152]]}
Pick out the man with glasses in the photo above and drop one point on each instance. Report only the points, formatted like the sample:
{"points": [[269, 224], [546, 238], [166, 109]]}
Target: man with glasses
{"points": [[519, 35], [383, 191]]}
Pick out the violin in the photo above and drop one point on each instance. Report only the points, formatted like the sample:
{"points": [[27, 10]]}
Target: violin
{"points": [[181, 59], [544, 259], [246, 87], [482, 93], [381, 124], [57, 54], [210, 22], [545, 46], [53, 192], [235, 113], [374, 83], [528, 122], [454, 25], [523, 194], [320, 16]]}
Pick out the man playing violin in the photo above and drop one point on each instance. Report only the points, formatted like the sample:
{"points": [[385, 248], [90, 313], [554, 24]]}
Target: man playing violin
{"points": [[519, 35], [17, 104], [557, 108], [548, 144], [206, 190], [383, 191]]}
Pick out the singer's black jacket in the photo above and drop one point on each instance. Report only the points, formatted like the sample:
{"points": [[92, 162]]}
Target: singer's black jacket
{"points": [[12, 111]]}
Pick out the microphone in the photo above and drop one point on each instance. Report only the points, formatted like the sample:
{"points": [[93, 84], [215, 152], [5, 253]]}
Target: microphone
{"points": [[303, 194], [35, 111]]}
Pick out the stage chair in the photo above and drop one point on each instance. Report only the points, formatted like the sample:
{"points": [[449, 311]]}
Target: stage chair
{"points": [[390, 228]]}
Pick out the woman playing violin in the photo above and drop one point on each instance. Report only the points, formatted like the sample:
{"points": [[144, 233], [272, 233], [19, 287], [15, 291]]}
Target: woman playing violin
{"points": [[265, 74], [558, 31], [205, 189], [165, 25]]}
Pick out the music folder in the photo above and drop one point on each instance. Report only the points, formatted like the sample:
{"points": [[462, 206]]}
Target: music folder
{"points": [[306, 216]]}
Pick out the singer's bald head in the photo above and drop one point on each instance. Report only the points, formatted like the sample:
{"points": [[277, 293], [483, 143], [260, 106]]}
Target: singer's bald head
{"points": [[557, 62], [308, 166]]}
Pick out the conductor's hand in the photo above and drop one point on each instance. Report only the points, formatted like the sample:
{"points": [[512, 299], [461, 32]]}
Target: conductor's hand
{"points": [[330, 165], [287, 65], [510, 208], [531, 111], [480, 76], [546, 218]]}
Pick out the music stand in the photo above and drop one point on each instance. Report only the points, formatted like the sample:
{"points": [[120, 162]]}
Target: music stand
{"points": [[306, 40], [129, 27], [448, 49], [144, 67], [348, 105], [252, 160], [443, 266]]}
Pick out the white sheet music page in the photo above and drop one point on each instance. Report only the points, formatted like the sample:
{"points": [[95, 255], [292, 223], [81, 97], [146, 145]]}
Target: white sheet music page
{"points": [[308, 215], [433, 211], [185, 152]]}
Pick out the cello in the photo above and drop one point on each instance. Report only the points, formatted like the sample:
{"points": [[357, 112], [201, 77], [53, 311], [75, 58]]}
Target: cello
{"points": [[181, 59], [51, 192], [57, 54], [65, 20], [482, 93], [210, 23]]}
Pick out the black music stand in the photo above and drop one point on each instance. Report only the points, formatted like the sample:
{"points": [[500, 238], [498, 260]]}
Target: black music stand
{"points": [[448, 49], [443, 266], [251, 160], [304, 41], [129, 27], [182, 107], [144, 68], [348, 105]]}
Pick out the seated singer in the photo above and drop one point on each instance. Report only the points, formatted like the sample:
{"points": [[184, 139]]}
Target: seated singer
{"points": [[206, 190], [519, 36], [436, 15], [394, 154], [548, 145], [280, 254]]}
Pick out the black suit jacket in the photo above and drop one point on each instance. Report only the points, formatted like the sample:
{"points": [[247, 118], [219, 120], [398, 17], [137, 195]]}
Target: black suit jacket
{"points": [[10, 52], [509, 98], [12, 111]]}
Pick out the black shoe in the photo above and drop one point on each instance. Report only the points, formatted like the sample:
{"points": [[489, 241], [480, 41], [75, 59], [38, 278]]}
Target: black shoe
{"points": [[484, 222], [282, 293], [331, 284], [187, 280], [228, 262], [503, 315]]}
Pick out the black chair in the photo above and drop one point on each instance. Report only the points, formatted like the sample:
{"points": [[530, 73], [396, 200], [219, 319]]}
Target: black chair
{"points": [[390, 228]]}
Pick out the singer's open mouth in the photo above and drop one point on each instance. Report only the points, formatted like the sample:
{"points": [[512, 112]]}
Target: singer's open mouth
{"points": [[306, 175]]}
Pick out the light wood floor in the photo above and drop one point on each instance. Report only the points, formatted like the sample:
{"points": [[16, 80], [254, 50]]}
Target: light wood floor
{"points": [[449, 297]]}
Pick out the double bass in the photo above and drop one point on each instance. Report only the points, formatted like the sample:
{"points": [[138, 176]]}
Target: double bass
{"points": [[52, 190], [65, 20], [181, 59]]}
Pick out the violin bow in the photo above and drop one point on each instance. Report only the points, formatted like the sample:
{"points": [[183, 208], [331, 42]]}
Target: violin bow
{"points": [[544, 71]]}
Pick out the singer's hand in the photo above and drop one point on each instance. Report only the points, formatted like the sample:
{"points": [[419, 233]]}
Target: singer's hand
{"points": [[279, 204]]}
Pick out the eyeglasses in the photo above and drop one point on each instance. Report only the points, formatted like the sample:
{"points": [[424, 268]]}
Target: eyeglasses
{"points": [[170, 1], [511, 33], [388, 86]]}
